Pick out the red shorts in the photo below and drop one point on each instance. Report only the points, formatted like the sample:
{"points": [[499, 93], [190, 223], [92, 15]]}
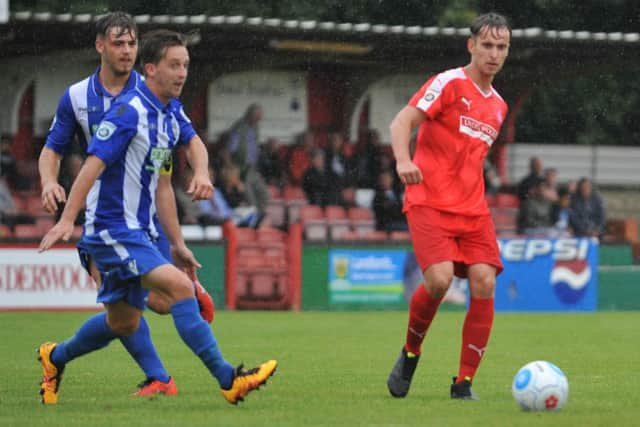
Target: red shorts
{"points": [[440, 236]]}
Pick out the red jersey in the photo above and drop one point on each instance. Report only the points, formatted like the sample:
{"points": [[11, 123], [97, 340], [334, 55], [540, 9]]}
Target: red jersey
{"points": [[462, 124]]}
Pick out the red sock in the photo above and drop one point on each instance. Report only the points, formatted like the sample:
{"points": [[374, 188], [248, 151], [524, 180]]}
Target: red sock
{"points": [[475, 336], [422, 309]]}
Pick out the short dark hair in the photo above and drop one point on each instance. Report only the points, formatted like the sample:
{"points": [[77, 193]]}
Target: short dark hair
{"points": [[154, 45], [122, 20], [490, 20]]}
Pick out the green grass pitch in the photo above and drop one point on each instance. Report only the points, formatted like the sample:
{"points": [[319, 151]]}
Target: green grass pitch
{"points": [[333, 371]]}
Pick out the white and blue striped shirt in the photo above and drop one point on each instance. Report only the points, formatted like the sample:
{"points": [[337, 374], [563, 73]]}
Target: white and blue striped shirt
{"points": [[135, 140], [80, 110]]}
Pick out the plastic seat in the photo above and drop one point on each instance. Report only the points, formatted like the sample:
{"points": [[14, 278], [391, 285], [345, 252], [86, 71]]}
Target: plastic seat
{"points": [[361, 220], [27, 231], [507, 200]]}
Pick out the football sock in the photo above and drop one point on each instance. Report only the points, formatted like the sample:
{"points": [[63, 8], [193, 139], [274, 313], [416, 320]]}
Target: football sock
{"points": [[195, 332], [140, 347], [475, 336], [422, 309], [94, 334]]}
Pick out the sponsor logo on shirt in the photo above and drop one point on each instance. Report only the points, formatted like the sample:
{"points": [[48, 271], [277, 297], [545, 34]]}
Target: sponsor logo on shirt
{"points": [[105, 130], [477, 129], [158, 157]]}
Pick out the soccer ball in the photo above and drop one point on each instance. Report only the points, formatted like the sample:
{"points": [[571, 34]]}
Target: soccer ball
{"points": [[540, 386]]}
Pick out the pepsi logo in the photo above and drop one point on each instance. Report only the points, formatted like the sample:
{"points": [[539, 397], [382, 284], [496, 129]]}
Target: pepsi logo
{"points": [[570, 280]]}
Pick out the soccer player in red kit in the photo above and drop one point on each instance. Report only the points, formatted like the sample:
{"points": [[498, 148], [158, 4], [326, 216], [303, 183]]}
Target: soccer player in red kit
{"points": [[459, 115]]}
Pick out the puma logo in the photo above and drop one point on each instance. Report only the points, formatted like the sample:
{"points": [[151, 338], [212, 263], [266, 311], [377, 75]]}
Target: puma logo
{"points": [[478, 350], [414, 332], [466, 102]]}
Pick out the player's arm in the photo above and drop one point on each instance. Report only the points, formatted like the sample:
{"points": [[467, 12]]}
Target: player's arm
{"points": [[200, 187], [168, 216], [90, 171], [401, 127], [58, 140]]}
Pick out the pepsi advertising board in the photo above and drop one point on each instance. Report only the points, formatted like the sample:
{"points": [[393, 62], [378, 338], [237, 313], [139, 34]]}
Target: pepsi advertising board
{"points": [[548, 275]]}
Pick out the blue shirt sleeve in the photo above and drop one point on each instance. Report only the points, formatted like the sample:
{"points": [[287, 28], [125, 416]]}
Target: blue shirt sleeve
{"points": [[115, 132], [64, 126], [186, 129]]}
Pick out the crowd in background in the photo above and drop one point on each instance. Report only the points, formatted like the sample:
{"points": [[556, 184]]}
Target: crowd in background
{"points": [[245, 169]]}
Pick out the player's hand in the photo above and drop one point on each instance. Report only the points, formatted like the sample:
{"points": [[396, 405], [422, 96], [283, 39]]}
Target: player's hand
{"points": [[200, 188], [52, 194], [184, 259], [408, 172], [62, 230]]}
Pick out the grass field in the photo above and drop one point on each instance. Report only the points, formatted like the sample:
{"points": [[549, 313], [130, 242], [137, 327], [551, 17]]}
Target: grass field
{"points": [[333, 370]]}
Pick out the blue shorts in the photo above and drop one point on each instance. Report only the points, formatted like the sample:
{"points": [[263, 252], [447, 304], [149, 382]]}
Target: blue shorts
{"points": [[122, 257]]}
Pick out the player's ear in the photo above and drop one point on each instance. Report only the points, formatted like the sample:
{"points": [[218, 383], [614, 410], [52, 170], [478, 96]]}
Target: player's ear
{"points": [[148, 69], [99, 45], [471, 42]]}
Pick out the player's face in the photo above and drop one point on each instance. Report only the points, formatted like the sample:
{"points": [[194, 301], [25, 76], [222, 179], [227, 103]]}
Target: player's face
{"points": [[118, 50], [170, 73], [489, 49]]}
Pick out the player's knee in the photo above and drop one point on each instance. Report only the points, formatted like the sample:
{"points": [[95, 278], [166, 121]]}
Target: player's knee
{"points": [[438, 284], [158, 303], [124, 326], [483, 286]]}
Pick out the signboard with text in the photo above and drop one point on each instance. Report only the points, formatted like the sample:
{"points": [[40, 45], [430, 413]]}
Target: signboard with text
{"points": [[50, 280]]}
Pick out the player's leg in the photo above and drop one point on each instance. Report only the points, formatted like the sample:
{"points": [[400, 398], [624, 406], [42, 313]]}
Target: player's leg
{"points": [[195, 332], [162, 305], [482, 254], [138, 344], [97, 332], [435, 250]]}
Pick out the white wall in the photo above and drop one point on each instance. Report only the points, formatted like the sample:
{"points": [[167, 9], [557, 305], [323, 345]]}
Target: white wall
{"points": [[283, 96]]}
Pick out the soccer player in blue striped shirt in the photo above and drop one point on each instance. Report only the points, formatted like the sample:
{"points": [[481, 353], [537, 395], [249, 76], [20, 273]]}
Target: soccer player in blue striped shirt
{"points": [[119, 182], [79, 112]]}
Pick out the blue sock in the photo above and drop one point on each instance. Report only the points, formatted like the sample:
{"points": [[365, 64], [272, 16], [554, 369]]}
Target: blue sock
{"points": [[141, 348], [196, 333], [93, 335]]}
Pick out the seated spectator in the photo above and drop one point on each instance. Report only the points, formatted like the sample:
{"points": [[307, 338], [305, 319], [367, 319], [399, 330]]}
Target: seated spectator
{"points": [[550, 187], [234, 193], [9, 168], [317, 183], [300, 157], [588, 214], [270, 164], [534, 218], [492, 181], [560, 213], [336, 162], [10, 214], [188, 210], [535, 174], [366, 160], [387, 205]]}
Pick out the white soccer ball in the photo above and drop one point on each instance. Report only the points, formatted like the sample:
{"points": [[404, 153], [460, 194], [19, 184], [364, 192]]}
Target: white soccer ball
{"points": [[540, 386]]}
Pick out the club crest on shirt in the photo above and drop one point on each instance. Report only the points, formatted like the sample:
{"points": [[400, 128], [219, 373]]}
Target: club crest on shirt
{"points": [[105, 130]]}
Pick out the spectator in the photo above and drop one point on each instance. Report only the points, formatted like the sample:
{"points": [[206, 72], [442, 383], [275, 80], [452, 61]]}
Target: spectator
{"points": [[492, 180], [534, 218], [317, 183], [188, 210], [234, 193], [300, 157], [535, 174], [10, 214], [387, 205], [588, 214], [560, 214], [366, 160], [336, 162], [243, 146], [270, 164], [9, 167], [550, 186]]}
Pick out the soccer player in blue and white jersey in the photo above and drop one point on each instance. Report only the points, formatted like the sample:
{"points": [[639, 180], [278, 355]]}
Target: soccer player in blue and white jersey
{"points": [[80, 110], [119, 182]]}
